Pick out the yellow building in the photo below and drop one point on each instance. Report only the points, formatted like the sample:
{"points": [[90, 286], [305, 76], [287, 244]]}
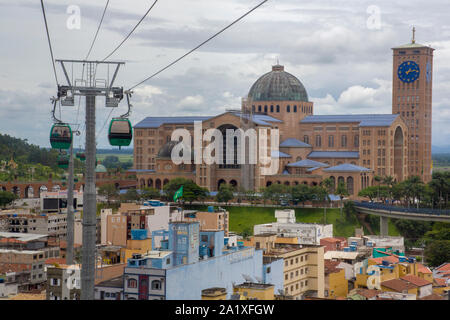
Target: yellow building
{"points": [[135, 247], [303, 264], [255, 291], [214, 294], [335, 283]]}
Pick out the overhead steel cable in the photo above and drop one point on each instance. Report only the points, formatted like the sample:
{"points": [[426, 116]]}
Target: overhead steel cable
{"points": [[98, 29], [49, 42], [201, 44], [129, 34]]}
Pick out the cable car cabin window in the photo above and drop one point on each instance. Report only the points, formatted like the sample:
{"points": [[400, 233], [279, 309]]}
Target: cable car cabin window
{"points": [[120, 127], [60, 136]]}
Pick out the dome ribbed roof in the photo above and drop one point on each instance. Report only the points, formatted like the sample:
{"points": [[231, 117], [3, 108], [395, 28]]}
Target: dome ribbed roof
{"points": [[278, 85]]}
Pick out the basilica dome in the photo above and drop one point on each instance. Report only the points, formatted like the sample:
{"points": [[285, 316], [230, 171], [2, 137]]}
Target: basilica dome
{"points": [[278, 85]]}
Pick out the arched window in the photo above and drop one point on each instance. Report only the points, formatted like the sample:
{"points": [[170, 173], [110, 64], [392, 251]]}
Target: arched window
{"points": [[318, 141], [259, 108], [288, 108], [356, 143], [265, 109], [306, 139], [271, 108], [295, 108], [350, 185], [278, 108], [132, 283], [331, 141], [156, 285], [344, 141]]}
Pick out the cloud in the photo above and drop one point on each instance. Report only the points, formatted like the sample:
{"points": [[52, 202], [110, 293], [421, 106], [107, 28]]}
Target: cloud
{"points": [[344, 66]]}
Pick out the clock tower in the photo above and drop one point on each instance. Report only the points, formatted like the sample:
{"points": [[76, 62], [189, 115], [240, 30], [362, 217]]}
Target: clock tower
{"points": [[412, 99]]}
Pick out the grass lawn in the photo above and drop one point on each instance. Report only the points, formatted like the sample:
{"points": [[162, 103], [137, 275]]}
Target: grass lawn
{"points": [[242, 218], [122, 157]]}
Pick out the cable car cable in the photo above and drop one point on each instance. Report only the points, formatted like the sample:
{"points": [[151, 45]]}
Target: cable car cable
{"points": [[49, 42], [201, 44], [98, 29], [129, 34]]}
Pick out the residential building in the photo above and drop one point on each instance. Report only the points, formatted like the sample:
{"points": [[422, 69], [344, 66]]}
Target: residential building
{"points": [[333, 243], [304, 233], [63, 282], [178, 272], [111, 289], [254, 291], [214, 294], [336, 285]]}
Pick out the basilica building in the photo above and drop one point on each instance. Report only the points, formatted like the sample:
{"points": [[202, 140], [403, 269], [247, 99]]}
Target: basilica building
{"points": [[350, 148]]}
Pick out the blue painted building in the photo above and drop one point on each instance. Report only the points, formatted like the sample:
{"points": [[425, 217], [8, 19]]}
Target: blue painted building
{"points": [[195, 261]]}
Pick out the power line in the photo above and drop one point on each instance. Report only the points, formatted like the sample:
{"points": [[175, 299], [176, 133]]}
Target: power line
{"points": [[49, 42], [201, 44], [98, 29], [104, 124], [129, 34]]}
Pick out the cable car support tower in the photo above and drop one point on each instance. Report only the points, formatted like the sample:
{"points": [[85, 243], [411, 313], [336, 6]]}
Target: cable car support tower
{"points": [[90, 88]]}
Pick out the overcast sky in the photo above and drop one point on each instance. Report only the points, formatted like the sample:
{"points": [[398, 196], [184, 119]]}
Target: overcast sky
{"points": [[336, 48]]}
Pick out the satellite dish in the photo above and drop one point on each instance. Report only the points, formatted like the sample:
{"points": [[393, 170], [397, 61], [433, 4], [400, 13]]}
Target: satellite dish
{"points": [[247, 278], [259, 279]]}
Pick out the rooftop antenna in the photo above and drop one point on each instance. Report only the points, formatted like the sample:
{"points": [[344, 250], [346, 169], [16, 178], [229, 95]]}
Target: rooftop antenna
{"points": [[414, 35]]}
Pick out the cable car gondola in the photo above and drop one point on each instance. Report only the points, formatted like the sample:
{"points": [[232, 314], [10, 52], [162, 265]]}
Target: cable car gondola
{"points": [[63, 161], [61, 136], [120, 132]]}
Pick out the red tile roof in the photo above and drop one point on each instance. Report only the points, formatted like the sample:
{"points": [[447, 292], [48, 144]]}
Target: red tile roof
{"points": [[368, 293], [444, 267], [423, 269], [331, 266], [398, 285], [390, 259], [420, 282], [332, 239], [440, 282], [432, 296]]}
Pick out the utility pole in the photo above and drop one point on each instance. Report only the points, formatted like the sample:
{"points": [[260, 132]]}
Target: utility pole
{"points": [[90, 88], [70, 218], [70, 208]]}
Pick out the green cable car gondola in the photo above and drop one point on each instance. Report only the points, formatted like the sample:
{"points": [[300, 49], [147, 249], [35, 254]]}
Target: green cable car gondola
{"points": [[81, 156], [120, 132], [63, 161], [61, 136]]}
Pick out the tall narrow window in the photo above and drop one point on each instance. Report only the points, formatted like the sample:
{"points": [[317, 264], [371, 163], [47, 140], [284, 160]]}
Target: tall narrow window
{"points": [[318, 141], [344, 141], [288, 108], [331, 141]]}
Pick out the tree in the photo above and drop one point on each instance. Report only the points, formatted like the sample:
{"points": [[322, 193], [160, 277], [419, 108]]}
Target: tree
{"points": [[148, 193], [108, 191], [6, 198], [191, 191], [440, 184], [323, 193], [349, 210], [437, 252], [300, 193], [342, 192], [130, 195], [275, 192], [369, 192], [225, 193]]}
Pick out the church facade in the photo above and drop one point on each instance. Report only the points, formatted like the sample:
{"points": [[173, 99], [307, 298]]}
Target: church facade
{"points": [[350, 148]]}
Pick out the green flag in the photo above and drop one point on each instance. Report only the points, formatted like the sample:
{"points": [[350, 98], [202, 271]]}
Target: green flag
{"points": [[178, 194]]}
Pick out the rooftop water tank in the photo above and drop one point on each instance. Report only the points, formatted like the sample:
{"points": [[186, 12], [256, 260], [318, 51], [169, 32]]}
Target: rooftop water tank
{"points": [[385, 263], [138, 234], [346, 249]]}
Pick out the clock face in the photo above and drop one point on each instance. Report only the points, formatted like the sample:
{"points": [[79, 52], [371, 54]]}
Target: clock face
{"points": [[408, 71], [428, 71]]}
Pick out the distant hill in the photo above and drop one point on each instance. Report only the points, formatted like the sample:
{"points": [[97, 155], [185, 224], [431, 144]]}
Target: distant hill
{"points": [[25, 153], [440, 149]]}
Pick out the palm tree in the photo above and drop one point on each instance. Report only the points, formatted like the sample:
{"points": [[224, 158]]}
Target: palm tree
{"points": [[327, 187], [342, 192]]}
